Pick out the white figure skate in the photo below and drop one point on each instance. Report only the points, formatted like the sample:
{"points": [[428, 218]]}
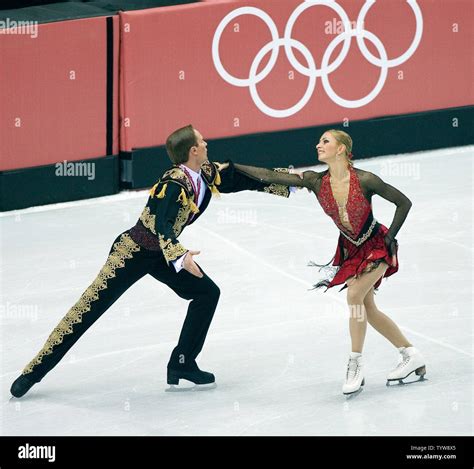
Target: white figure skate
{"points": [[410, 361], [354, 375]]}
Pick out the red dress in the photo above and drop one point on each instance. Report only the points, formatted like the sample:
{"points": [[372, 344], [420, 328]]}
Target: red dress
{"points": [[358, 253]]}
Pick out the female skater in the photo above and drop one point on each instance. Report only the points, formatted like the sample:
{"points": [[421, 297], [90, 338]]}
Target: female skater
{"points": [[366, 250]]}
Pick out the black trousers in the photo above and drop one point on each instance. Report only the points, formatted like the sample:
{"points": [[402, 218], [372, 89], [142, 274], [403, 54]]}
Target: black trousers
{"points": [[128, 262]]}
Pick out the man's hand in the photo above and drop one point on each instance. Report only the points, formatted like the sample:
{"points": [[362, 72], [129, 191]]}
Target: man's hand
{"points": [[298, 173], [301, 175], [190, 265], [221, 166]]}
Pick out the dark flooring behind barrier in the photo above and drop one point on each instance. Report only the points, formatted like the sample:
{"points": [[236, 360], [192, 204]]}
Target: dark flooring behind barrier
{"points": [[60, 182], [48, 11]]}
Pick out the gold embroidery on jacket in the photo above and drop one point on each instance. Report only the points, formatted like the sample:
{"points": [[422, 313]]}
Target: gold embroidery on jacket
{"points": [[209, 172], [170, 251], [187, 200], [181, 220], [148, 219], [178, 175], [211, 176], [277, 189], [122, 249]]}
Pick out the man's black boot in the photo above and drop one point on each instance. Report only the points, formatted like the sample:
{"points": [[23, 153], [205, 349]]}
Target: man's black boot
{"points": [[21, 386], [195, 376]]}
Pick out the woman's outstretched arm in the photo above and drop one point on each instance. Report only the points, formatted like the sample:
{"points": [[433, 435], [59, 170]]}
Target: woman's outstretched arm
{"points": [[280, 176]]}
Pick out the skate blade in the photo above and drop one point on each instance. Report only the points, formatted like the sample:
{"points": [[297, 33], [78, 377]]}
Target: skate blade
{"points": [[402, 381], [192, 388]]}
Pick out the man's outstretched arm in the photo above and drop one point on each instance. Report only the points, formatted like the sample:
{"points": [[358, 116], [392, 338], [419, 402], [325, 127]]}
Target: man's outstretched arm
{"points": [[236, 177]]}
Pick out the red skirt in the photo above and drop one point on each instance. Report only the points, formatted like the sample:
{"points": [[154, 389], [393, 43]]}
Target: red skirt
{"points": [[351, 260]]}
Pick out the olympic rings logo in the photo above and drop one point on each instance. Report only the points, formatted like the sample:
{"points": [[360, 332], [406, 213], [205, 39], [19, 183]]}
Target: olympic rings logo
{"points": [[311, 71]]}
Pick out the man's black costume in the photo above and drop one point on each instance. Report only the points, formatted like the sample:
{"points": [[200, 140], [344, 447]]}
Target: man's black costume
{"points": [[149, 248]]}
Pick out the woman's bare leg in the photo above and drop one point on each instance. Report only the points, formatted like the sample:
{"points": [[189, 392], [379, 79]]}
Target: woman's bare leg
{"points": [[356, 292], [382, 323], [411, 358]]}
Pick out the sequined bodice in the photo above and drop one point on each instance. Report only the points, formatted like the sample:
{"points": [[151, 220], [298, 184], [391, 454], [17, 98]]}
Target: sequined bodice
{"points": [[356, 210]]}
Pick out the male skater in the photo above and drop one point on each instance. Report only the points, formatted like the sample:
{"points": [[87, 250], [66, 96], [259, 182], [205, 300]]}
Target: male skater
{"points": [[151, 247]]}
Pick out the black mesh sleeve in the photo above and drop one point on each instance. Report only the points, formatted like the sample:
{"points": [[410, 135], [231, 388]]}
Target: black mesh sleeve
{"points": [[279, 176], [375, 185]]}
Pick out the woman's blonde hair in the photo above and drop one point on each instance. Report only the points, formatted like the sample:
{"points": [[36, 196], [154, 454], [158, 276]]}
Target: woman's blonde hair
{"points": [[345, 139]]}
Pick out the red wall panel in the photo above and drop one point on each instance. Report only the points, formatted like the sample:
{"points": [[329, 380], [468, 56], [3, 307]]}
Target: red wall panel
{"points": [[169, 77], [59, 118]]}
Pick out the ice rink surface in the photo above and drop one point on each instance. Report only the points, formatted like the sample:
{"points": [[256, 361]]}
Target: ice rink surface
{"points": [[278, 349]]}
